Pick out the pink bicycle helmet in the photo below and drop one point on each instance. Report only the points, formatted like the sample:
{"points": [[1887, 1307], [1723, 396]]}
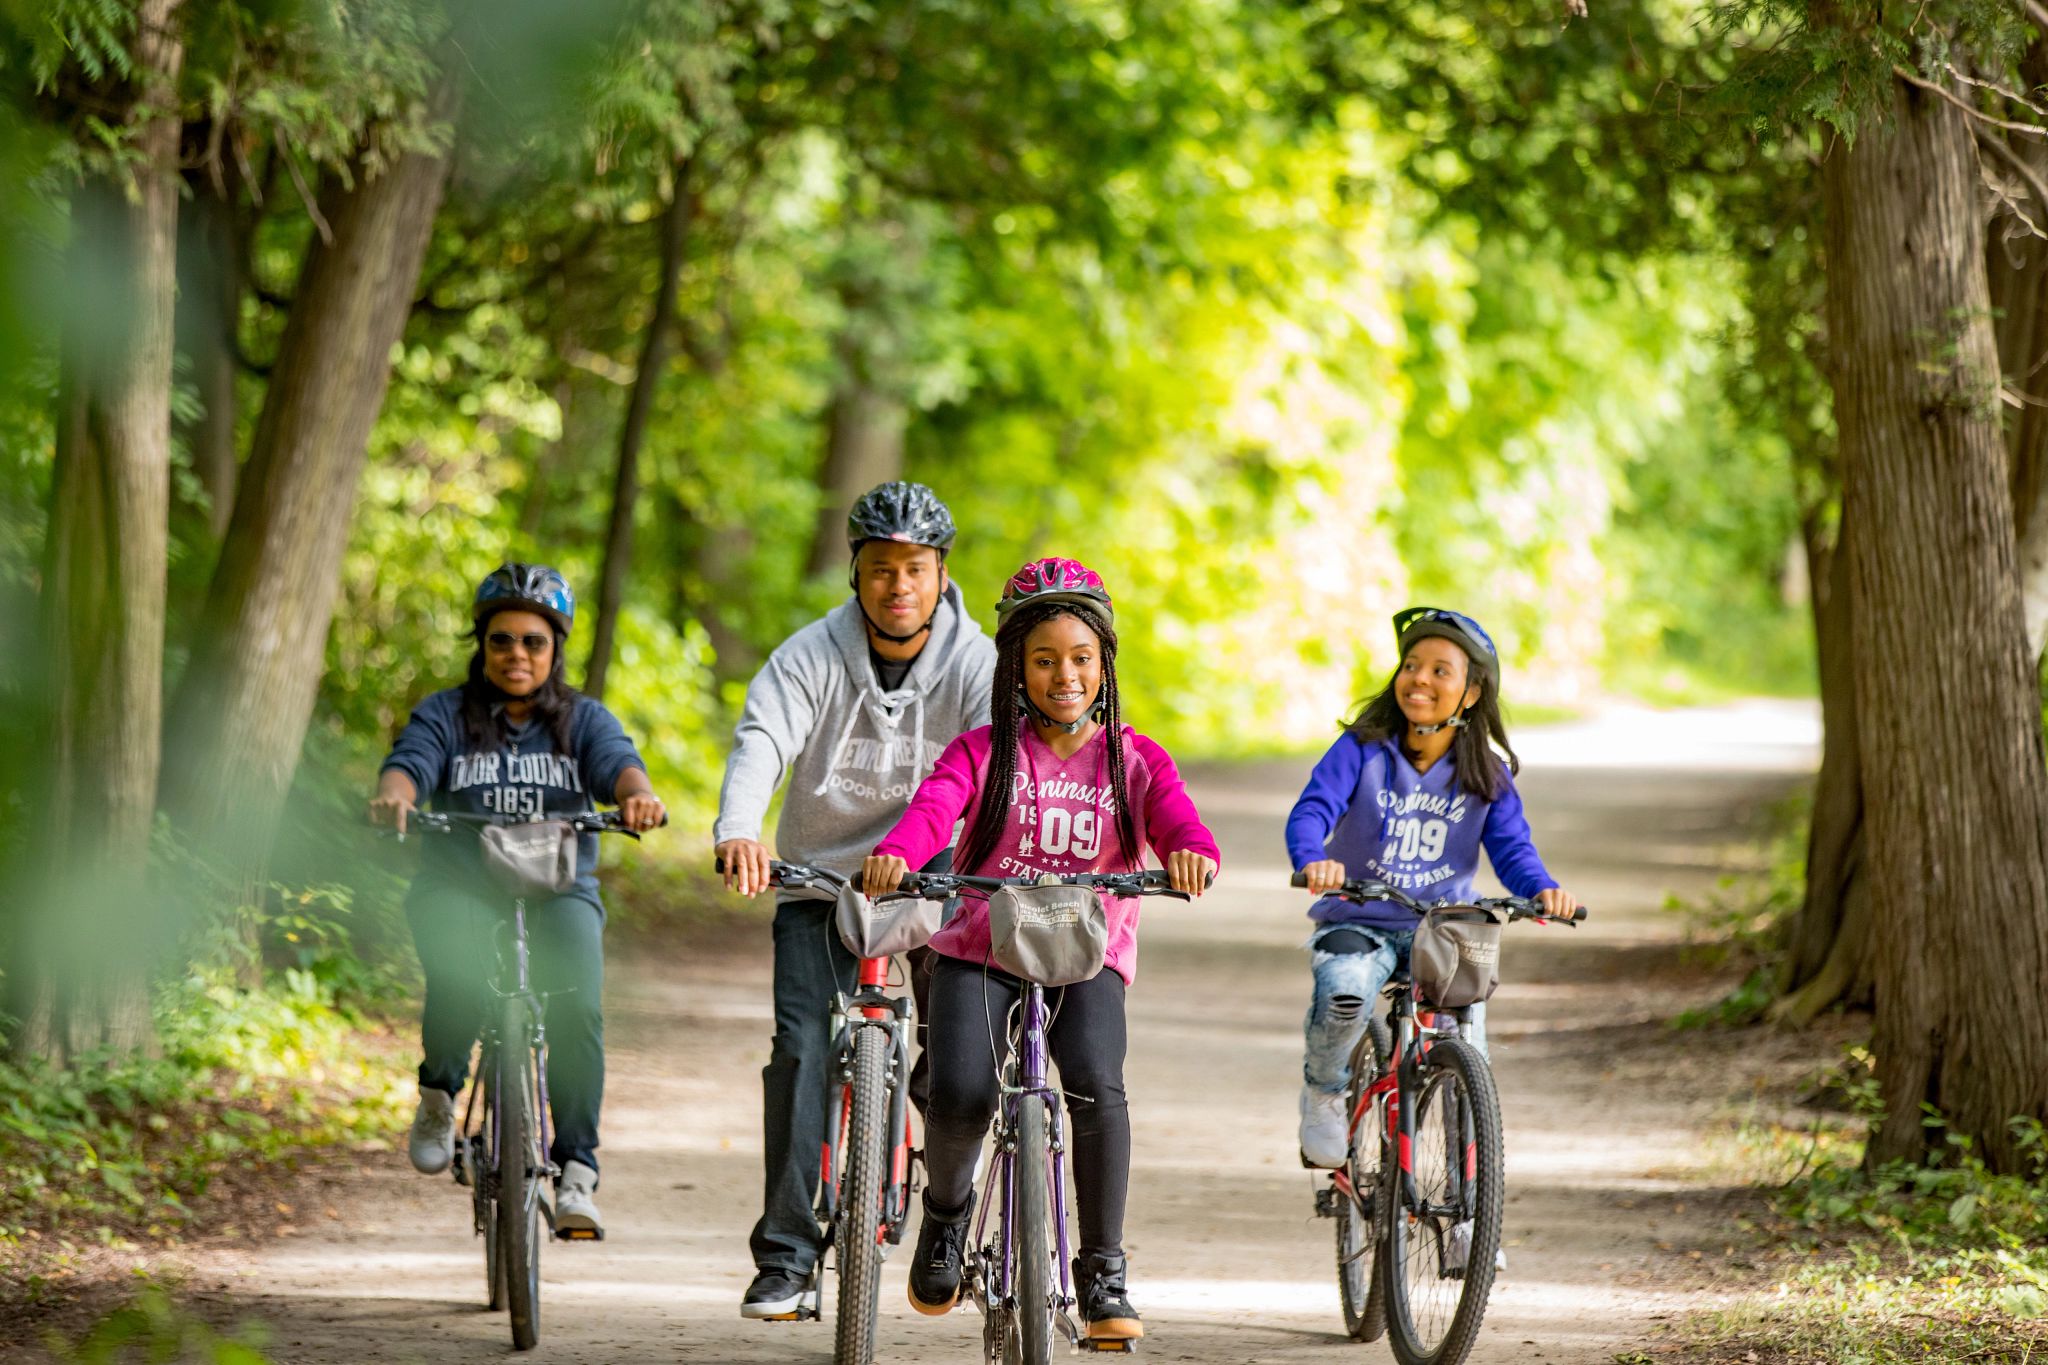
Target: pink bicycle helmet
{"points": [[1056, 580]]}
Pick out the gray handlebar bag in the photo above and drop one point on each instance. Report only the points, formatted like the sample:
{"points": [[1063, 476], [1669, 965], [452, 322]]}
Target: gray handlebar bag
{"points": [[1054, 935], [884, 928], [1455, 960], [530, 860]]}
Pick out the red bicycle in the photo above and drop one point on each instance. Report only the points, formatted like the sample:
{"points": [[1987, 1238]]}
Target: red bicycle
{"points": [[1419, 1200], [864, 1177]]}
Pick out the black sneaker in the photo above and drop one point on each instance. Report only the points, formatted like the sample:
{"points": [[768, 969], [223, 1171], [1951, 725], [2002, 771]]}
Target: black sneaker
{"points": [[935, 1269], [775, 1295], [1105, 1311]]}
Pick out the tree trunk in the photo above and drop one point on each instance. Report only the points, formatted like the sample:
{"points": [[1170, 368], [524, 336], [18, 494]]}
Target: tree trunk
{"points": [[241, 712], [2016, 256], [863, 447], [209, 308], [1827, 952], [83, 975], [1957, 804], [654, 353]]}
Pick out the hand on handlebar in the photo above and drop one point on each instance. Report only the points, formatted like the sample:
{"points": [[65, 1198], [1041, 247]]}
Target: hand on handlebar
{"points": [[642, 811], [1325, 875], [881, 873], [1558, 903], [1190, 872], [745, 865]]}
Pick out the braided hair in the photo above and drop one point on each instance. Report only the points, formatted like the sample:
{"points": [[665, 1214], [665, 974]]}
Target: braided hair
{"points": [[1478, 768], [1005, 715]]}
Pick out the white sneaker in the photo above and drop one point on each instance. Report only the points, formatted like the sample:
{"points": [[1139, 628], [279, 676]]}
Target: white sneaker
{"points": [[432, 1144], [1325, 1131], [576, 1203], [1458, 1248]]}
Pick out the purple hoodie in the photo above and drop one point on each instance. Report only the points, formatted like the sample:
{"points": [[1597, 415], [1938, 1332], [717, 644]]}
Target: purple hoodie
{"points": [[1367, 807], [1061, 819]]}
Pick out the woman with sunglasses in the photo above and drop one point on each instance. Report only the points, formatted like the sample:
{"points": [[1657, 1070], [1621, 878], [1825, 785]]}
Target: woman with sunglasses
{"points": [[514, 740], [1421, 779]]}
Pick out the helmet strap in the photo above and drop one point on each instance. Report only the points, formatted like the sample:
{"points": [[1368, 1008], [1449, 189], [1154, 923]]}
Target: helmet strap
{"points": [[1095, 712], [1457, 722], [893, 639]]}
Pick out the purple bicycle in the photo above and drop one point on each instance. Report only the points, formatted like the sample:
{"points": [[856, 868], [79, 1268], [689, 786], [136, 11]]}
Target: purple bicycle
{"points": [[1017, 1272]]}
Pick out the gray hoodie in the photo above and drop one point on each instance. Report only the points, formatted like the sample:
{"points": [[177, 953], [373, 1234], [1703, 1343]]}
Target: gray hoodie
{"points": [[816, 713]]}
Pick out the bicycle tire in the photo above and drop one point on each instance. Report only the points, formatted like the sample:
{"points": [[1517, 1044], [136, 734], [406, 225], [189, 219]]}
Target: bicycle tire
{"points": [[483, 1205], [1359, 1285], [1035, 1273], [859, 1234], [520, 1171], [1457, 1111]]}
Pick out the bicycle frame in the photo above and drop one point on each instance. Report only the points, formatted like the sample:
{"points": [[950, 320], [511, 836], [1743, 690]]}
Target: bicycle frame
{"points": [[1024, 1082], [1399, 1077], [871, 1006], [510, 957]]}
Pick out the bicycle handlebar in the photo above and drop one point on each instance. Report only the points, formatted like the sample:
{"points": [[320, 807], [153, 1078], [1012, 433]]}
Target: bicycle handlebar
{"points": [[1362, 889], [583, 821], [1151, 881], [942, 885]]}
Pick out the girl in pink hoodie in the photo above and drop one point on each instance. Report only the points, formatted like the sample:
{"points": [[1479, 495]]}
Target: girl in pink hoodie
{"points": [[1074, 790]]}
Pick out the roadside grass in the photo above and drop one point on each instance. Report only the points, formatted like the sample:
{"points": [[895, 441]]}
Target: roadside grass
{"points": [[1944, 1262]]}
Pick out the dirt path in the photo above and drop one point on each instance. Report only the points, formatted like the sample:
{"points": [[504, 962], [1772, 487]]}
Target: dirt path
{"points": [[1228, 1264]]}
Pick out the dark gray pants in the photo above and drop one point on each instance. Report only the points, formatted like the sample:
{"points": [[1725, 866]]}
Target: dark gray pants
{"points": [[811, 965]]}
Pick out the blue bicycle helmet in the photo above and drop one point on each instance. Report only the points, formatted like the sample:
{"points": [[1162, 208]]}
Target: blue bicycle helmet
{"points": [[534, 587], [1416, 623]]}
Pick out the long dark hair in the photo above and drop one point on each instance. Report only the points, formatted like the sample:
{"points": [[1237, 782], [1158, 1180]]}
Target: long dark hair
{"points": [[554, 701], [1005, 717], [1478, 768]]}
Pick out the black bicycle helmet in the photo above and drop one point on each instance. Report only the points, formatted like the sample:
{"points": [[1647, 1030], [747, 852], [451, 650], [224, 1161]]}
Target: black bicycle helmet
{"points": [[535, 587], [908, 513]]}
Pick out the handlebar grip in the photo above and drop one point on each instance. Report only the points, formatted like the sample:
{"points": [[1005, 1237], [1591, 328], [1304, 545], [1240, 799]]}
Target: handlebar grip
{"points": [[1577, 916], [718, 866], [1298, 879]]}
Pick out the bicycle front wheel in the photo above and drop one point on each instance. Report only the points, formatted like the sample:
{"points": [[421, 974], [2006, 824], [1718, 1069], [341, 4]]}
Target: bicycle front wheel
{"points": [[859, 1235], [1036, 1275], [1361, 1289], [521, 1168], [1438, 1259]]}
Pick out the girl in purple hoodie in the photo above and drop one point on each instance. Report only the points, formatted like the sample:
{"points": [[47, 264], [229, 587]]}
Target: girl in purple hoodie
{"points": [[1408, 795], [1074, 790]]}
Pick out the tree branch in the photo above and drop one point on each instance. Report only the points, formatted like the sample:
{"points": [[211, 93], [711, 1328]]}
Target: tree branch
{"points": [[2017, 164], [2030, 129]]}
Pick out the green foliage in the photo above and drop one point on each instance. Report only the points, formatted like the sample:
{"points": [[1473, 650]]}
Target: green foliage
{"points": [[1741, 922], [245, 1076], [153, 1328], [1905, 1262]]}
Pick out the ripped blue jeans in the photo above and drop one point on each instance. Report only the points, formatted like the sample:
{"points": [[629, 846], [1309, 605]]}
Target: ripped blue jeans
{"points": [[1347, 987]]}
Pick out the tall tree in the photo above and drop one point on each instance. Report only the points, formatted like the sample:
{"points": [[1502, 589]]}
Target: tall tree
{"points": [[241, 711], [656, 345], [81, 980], [1956, 795]]}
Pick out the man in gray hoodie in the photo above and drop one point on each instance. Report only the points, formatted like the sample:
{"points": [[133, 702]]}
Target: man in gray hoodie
{"points": [[854, 709]]}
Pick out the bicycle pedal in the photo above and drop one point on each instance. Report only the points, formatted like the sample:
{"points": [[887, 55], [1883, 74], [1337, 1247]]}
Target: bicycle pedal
{"points": [[580, 1235], [1328, 1200], [1127, 1346]]}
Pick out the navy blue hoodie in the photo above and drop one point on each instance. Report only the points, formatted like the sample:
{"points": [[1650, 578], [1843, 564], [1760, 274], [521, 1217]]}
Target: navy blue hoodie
{"points": [[525, 776]]}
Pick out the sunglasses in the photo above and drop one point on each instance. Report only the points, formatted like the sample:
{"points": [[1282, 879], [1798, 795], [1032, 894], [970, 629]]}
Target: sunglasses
{"points": [[503, 640], [1404, 619]]}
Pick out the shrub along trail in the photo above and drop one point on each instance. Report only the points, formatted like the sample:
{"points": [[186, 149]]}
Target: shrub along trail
{"points": [[1605, 1111]]}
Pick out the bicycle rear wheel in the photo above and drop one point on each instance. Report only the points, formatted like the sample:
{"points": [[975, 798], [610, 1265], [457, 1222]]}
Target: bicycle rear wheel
{"points": [[1438, 1278], [1032, 1218], [521, 1168], [1358, 1285], [859, 1234]]}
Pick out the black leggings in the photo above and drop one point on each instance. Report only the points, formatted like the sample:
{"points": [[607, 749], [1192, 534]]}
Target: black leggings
{"points": [[970, 1005]]}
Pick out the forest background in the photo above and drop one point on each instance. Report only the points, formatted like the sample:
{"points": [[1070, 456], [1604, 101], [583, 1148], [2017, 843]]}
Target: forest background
{"points": [[1280, 315]]}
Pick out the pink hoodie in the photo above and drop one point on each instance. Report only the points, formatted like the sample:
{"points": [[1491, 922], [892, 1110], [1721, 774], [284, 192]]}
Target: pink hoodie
{"points": [[1061, 819]]}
